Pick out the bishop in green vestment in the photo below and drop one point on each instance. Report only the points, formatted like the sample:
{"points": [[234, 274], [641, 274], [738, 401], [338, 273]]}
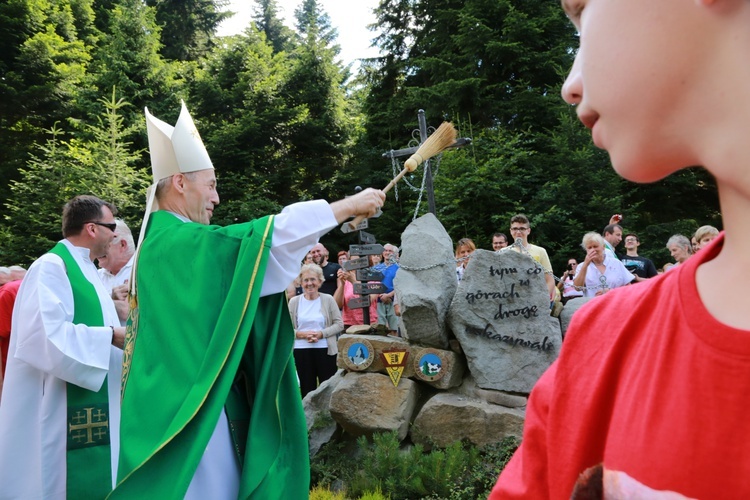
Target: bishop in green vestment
{"points": [[210, 404]]}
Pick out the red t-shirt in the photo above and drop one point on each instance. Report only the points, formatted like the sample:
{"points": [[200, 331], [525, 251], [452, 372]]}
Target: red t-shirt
{"points": [[647, 383], [8, 294]]}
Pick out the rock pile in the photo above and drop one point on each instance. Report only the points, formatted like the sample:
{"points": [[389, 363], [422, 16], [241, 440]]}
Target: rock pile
{"points": [[469, 355]]}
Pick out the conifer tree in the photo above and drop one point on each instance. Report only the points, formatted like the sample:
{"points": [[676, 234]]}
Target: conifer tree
{"points": [[267, 20], [188, 27], [44, 55], [60, 169]]}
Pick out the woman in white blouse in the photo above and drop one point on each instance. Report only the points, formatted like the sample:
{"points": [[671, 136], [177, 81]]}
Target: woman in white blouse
{"points": [[317, 321], [599, 272]]}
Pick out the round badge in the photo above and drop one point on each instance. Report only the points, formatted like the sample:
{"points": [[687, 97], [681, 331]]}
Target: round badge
{"points": [[359, 355], [429, 366]]}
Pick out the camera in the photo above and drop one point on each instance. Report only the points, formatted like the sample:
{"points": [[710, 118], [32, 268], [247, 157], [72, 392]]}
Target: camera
{"points": [[570, 267]]}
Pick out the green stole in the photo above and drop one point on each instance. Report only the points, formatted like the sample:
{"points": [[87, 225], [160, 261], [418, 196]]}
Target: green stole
{"points": [[197, 326], [89, 468]]}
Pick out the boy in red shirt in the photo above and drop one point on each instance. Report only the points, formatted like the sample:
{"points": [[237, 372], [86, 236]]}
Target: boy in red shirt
{"points": [[652, 382]]}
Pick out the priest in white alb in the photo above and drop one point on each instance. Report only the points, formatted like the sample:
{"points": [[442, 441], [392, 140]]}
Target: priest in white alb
{"points": [[59, 414]]}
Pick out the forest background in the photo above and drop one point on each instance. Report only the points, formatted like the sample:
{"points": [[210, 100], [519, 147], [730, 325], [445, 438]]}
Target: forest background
{"points": [[283, 121]]}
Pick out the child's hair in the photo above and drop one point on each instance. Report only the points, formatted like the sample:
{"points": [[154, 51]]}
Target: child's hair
{"points": [[704, 231], [465, 242]]}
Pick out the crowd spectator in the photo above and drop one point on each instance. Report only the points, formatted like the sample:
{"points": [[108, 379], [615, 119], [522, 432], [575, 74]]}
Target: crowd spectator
{"points": [[599, 272], [345, 292], [520, 229], [386, 311], [295, 287], [641, 267], [8, 293], [341, 258], [17, 272], [5, 276], [612, 237], [330, 269], [375, 260], [499, 241], [680, 249], [703, 236], [317, 322], [464, 248], [566, 285], [115, 268]]}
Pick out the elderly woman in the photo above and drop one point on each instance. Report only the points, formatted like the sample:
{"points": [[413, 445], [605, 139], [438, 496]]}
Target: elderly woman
{"points": [[679, 247], [317, 321], [599, 272]]}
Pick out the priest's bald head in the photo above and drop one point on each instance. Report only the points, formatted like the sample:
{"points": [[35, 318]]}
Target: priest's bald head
{"points": [[192, 195]]}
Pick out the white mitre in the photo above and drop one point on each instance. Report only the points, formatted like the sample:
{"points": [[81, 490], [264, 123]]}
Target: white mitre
{"points": [[174, 150]]}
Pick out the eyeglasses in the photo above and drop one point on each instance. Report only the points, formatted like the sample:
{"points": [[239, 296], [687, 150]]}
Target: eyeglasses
{"points": [[516, 229], [109, 225]]}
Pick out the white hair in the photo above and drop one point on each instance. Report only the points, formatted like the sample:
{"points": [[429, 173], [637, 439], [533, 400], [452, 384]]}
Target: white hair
{"points": [[123, 231]]}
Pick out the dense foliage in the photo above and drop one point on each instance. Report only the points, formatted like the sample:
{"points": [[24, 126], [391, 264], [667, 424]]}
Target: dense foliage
{"points": [[284, 120], [461, 471]]}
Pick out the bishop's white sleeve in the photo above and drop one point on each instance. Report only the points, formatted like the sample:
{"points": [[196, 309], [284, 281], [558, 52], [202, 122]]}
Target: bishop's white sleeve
{"points": [[295, 231], [45, 336]]}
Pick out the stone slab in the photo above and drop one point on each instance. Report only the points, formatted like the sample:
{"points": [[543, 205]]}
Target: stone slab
{"points": [[425, 282], [446, 418], [500, 314]]}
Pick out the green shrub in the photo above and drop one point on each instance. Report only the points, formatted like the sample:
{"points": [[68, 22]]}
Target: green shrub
{"points": [[383, 466], [374, 495], [323, 493]]}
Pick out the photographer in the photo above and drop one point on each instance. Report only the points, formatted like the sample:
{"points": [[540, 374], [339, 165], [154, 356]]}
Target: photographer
{"points": [[565, 285]]}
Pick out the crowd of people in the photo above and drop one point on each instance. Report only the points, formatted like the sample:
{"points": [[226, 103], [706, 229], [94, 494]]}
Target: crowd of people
{"points": [[602, 268], [320, 313]]}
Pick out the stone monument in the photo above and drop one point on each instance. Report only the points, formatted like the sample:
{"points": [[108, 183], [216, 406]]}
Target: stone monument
{"points": [[501, 316]]}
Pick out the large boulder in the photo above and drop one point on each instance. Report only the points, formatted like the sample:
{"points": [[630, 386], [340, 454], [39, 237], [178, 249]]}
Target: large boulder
{"points": [[426, 282], [446, 418], [501, 316], [368, 403]]}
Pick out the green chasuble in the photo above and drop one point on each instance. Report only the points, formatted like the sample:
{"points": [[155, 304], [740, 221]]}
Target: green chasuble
{"points": [[197, 324]]}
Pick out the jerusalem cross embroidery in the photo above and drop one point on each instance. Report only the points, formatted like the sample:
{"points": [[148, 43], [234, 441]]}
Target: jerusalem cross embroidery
{"points": [[88, 426]]}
